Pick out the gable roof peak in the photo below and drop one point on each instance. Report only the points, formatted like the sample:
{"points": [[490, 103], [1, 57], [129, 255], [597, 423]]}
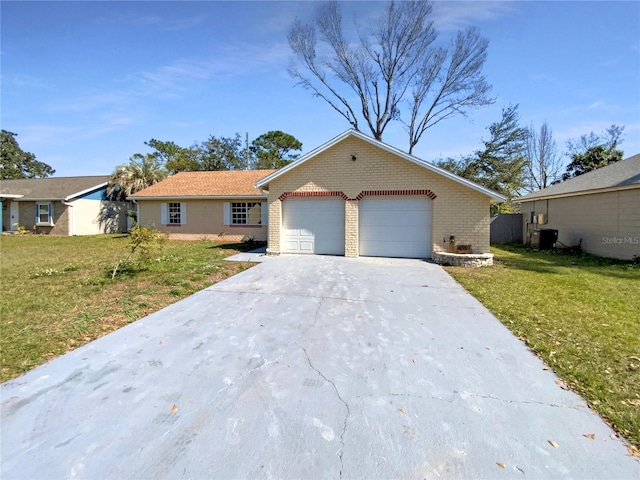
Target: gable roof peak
{"points": [[384, 146]]}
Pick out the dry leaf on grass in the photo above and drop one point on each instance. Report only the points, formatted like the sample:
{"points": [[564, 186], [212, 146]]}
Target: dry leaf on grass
{"points": [[552, 443], [562, 385], [633, 451]]}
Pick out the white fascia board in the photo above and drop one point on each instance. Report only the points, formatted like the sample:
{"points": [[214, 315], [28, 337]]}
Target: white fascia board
{"points": [[577, 194], [44, 199], [10, 195], [201, 197], [88, 190], [429, 166]]}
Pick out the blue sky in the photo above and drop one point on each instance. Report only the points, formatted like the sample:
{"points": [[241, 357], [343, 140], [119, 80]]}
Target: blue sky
{"points": [[85, 84]]}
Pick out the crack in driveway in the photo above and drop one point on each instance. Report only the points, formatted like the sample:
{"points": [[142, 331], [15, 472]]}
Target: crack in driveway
{"points": [[335, 388]]}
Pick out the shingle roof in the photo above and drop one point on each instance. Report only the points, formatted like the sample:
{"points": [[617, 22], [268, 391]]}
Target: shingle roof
{"points": [[622, 174], [60, 188], [228, 183]]}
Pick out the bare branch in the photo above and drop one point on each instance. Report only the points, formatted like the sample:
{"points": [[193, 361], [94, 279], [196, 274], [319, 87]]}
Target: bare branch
{"points": [[543, 162], [453, 92], [395, 60]]}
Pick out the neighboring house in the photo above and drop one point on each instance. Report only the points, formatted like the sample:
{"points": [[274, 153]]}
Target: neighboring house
{"points": [[221, 205], [61, 206], [357, 196], [599, 210]]}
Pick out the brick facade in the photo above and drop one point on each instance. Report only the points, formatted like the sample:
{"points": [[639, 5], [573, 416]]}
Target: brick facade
{"points": [[60, 217], [457, 210]]}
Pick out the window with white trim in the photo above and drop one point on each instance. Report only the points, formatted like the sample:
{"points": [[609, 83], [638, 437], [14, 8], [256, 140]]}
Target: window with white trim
{"points": [[246, 213], [174, 213], [43, 214]]}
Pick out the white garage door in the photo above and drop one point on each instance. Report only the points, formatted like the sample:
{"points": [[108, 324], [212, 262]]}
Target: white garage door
{"points": [[313, 225], [395, 227]]}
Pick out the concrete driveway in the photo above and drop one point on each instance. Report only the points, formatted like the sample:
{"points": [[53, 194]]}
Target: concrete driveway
{"points": [[307, 367]]}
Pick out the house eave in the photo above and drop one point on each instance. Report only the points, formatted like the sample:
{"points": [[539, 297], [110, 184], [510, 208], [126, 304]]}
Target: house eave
{"points": [[495, 197], [40, 199], [579, 193], [199, 197], [84, 192]]}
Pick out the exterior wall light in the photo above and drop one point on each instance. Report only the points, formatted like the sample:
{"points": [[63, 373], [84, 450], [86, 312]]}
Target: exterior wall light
{"points": [[353, 157]]}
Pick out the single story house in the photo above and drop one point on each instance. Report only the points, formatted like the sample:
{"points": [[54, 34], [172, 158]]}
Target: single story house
{"points": [[351, 196], [599, 210], [221, 205], [358, 196], [61, 206]]}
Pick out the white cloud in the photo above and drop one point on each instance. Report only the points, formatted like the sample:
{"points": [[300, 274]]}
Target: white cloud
{"points": [[453, 15], [26, 81], [598, 104], [45, 135], [231, 60]]}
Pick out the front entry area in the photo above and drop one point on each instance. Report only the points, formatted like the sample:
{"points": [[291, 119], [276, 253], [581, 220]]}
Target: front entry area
{"points": [[313, 225], [395, 227]]}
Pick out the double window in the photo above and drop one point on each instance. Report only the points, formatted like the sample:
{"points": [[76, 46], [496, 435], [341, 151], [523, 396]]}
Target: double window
{"points": [[44, 214], [245, 214]]}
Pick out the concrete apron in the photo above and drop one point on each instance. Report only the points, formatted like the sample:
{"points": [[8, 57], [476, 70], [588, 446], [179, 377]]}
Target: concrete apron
{"points": [[310, 367]]}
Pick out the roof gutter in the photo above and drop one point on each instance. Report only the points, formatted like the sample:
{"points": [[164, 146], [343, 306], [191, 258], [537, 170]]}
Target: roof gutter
{"points": [[577, 194], [199, 197]]}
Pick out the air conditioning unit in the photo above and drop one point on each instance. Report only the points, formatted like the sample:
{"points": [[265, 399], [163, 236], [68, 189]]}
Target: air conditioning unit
{"points": [[544, 239]]}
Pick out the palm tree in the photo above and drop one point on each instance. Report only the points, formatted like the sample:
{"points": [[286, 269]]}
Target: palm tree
{"points": [[141, 172]]}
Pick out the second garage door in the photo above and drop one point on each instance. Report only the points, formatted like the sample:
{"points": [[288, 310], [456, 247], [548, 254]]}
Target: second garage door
{"points": [[395, 227], [313, 225]]}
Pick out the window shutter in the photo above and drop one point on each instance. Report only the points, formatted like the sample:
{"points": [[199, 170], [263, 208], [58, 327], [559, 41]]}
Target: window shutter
{"points": [[183, 213], [264, 206], [227, 213], [164, 214]]}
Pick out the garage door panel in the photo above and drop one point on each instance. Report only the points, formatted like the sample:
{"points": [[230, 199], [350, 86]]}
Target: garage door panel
{"points": [[395, 227], [313, 226]]}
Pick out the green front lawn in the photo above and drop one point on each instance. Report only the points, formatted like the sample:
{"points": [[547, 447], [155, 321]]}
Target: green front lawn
{"points": [[57, 292], [580, 313]]}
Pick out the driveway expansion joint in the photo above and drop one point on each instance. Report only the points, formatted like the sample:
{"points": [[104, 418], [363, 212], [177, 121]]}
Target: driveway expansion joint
{"points": [[335, 388]]}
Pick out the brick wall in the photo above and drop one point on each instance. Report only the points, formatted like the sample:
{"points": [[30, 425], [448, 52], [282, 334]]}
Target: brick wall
{"points": [[456, 210], [60, 216]]}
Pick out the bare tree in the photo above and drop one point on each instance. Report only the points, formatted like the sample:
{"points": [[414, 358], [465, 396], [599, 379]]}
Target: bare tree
{"points": [[609, 139], [448, 83], [395, 61], [543, 162]]}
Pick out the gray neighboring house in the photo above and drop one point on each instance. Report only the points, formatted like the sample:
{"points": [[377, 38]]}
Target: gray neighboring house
{"points": [[61, 206], [600, 208]]}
